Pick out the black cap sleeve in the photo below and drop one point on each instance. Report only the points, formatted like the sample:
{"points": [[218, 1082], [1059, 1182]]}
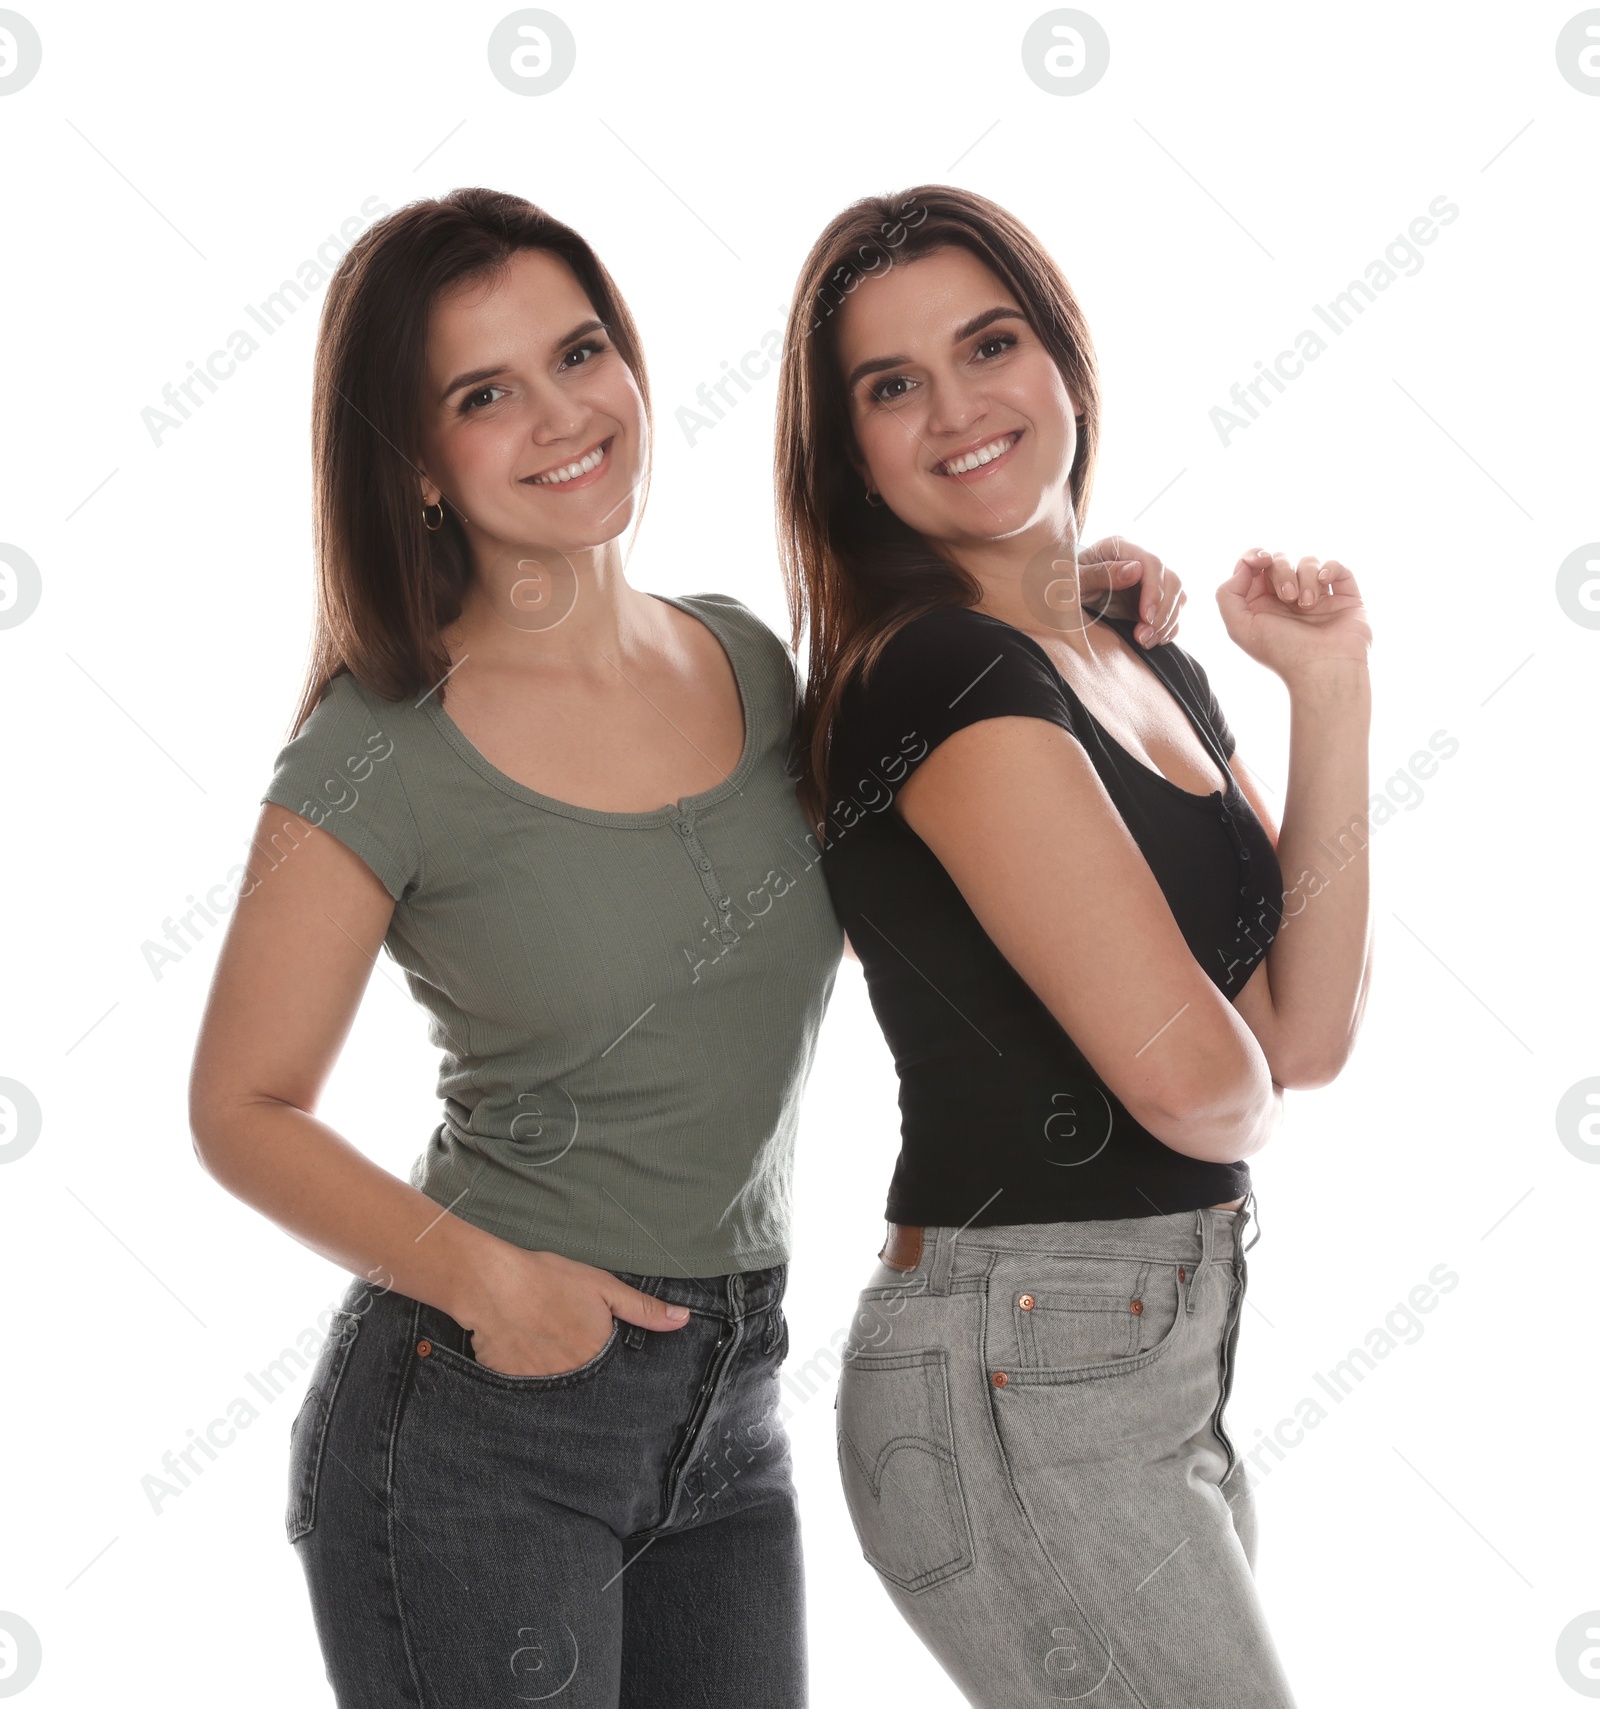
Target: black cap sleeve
{"points": [[944, 670]]}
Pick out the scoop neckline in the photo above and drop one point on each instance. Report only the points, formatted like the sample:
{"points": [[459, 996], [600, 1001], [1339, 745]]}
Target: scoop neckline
{"points": [[685, 807], [1125, 627]]}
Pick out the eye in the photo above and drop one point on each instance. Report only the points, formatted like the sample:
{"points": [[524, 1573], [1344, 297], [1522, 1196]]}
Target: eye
{"points": [[468, 403], [885, 392], [583, 353], [996, 344]]}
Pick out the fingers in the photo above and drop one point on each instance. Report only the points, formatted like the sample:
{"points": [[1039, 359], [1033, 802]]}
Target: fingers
{"points": [[1249, 573], [1111, 550], [1296, 584], [1166, 629], [643, 1309], [1336, 579], [1302, 585]]}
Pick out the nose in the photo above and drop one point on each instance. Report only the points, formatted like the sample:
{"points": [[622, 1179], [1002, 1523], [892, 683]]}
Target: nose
{"points": [[955, 406], [554, 416]]}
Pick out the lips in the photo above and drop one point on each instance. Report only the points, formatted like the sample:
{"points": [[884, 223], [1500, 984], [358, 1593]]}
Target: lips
{"points": [[567, 474], [978, 457]]}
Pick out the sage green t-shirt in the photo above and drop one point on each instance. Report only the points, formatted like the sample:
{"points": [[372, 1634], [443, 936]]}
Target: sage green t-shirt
{"points": [[627, 1004]]}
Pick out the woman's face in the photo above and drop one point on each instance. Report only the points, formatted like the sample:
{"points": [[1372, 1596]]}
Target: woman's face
{"points": [[532, 423], [942, 370]]}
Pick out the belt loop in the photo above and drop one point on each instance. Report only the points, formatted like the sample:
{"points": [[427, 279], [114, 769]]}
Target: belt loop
{"points": [[1245, 1210], [943, 1261], [1202, 1227]]}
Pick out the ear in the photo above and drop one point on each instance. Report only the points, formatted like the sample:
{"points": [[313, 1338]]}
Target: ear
{"points": [[430, 493]]}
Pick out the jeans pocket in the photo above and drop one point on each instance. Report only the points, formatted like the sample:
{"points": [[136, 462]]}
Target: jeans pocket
{"points": [[898, 1465], [466, 1364], [1074, 1319], [308, 1434]]}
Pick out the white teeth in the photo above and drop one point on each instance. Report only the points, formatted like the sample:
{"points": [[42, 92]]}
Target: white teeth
{"points": [[555, 477], [976, 459]]}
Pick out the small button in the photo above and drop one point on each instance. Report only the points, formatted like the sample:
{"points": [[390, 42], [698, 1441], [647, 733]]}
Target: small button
{"points": [[1244, 854], [685, 830], [705, 866], [1225, 816], [999, 1379], [424, 1348], [1026, 1302], [1137, 1308]]}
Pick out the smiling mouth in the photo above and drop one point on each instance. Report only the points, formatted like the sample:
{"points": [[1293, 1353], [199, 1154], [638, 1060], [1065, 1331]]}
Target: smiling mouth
{"points": [[573, 471], [980, 457]]}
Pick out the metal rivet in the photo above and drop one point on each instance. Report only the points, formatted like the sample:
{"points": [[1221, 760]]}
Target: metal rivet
{"points": [[999, 1379], [1026, 1302], [424, 1348], [1182, 1274], [1136, 1307]]}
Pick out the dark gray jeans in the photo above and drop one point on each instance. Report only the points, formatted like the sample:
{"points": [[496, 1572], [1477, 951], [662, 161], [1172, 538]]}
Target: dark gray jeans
{"points": [[1033, 1451], [621, 1536]]}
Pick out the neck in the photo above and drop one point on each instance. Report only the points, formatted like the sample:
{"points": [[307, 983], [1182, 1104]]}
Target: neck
{"points": [[533, 607], [1031, 582]]}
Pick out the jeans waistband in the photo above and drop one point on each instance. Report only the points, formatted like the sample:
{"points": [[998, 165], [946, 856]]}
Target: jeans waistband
{"points": [[1197, 1237], [741, 1294]]}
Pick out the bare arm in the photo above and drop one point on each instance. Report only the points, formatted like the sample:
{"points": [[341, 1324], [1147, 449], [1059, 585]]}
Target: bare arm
{"points": [[1015, 812], [1304, 1003], [298, 953]]}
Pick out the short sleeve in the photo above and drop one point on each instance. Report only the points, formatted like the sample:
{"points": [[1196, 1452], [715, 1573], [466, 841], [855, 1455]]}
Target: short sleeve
{"points": [[944, 670], [341, 772]]}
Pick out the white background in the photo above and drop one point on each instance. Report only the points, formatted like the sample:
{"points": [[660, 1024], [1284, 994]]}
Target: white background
{"points": [[1427, 1542]]}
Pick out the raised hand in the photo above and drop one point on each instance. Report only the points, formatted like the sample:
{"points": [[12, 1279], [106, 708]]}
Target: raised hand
{"points": [[1288, 617]]}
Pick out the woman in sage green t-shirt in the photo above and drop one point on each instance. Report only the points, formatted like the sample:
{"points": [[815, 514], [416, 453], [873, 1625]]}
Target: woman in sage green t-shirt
{"points": [[540, 1441]]}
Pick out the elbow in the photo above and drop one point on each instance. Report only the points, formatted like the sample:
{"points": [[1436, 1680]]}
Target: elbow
{"points": [[213, 1126], [205, 1136], [1306, 1069], [1214, 1116]]}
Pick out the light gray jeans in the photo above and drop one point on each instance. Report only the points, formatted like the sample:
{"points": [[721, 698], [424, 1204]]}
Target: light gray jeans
{"points": [[1033, 1451]]}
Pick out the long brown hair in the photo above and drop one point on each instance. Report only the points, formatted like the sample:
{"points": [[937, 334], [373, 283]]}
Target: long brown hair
{"points": [[386, 586], [854, 572]]}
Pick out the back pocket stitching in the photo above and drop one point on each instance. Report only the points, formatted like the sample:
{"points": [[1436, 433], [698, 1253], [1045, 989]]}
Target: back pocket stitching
{"points": [[943, 1455]]}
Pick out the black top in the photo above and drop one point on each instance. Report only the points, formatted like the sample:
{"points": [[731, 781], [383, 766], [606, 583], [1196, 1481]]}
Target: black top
{"points": [[1002, 1118]]}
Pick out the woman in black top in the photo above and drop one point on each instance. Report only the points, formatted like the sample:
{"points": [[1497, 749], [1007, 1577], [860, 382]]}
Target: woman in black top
{"points": [[1070, 904]]}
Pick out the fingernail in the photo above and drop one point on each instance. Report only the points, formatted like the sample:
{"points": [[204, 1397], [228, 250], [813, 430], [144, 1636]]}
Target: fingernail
{"points": [[677, 1314], [1288, 590]]}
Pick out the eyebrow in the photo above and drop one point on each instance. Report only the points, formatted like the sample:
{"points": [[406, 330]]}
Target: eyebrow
{"points": [[477, 376], [879, 364]]}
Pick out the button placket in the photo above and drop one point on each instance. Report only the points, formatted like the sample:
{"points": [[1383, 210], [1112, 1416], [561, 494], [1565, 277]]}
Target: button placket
{"points": [[710, 881]]}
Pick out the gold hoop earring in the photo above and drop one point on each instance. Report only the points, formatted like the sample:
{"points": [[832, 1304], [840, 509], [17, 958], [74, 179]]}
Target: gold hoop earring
{"points": [[433, 527], [873, 498]]}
